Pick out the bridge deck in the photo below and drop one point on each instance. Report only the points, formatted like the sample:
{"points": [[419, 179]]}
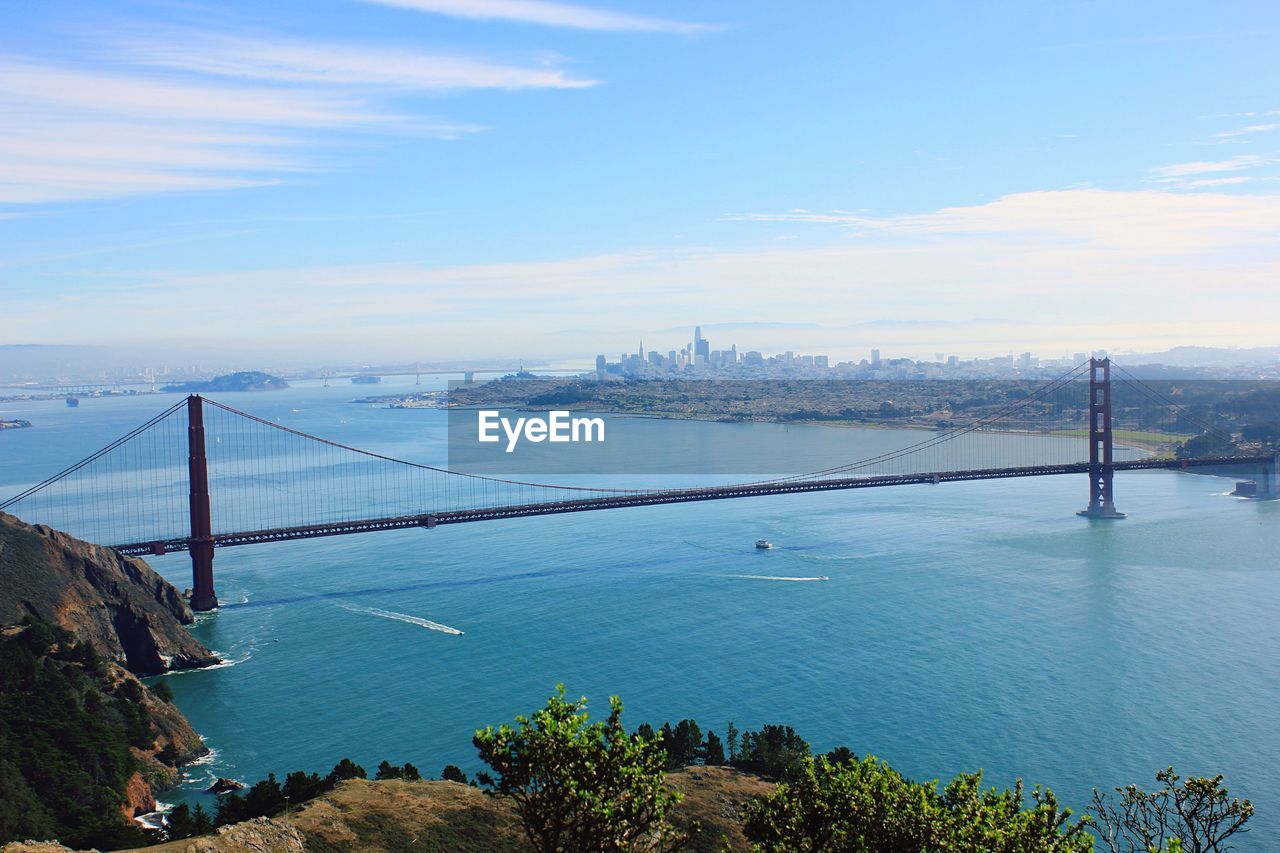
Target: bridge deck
{"points": [[672, 496]]}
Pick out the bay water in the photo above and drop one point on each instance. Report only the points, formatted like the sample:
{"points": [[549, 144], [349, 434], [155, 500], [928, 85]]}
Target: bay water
{"points": [[962, 626]]}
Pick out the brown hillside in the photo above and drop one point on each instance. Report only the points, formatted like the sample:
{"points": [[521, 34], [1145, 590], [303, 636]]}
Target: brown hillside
{"points": [[119, 604], [392, 816]]}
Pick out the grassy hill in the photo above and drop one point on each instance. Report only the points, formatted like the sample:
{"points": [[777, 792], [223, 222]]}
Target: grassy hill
{"points": [[392, 815]]}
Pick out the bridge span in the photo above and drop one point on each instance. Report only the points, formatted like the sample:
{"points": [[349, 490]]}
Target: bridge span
{"points": [[202, 476], [673, 496]]}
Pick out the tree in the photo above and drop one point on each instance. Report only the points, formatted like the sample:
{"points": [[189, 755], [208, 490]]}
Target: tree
{"points": [[344, 770], [868, 806], [1198, 816], [772, 751], [300, 786], [178, 823], [841, 755], [581, 785], [991, 819], [184, 822], [387, 770], [453, 773], [713, 752], [201, 823], [1261, 433], [732, 734], [411, 773], [162, 691], [683, 744]]}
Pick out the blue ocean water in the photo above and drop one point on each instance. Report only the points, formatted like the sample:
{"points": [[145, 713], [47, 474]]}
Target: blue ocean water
{"points": [[964, 626]]}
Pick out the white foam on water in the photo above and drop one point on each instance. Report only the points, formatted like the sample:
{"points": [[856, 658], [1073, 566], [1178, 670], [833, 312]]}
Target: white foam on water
{"points": [[774, 578], [403, 617], [208, 758], [225, 662], [155, 819]]}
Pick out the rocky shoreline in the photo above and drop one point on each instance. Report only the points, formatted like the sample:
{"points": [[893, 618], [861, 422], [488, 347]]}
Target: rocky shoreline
{"points": [[132, 618]]}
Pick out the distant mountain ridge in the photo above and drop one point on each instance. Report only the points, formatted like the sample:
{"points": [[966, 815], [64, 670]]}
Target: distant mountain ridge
{"points": [[1193, 356]]}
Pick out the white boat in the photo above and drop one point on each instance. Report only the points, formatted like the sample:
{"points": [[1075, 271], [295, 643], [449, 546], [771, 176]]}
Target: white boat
{"points": [[764, 544]]}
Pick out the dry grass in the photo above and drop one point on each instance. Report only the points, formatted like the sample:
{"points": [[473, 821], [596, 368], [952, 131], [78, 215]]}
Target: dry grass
{"points": [[373, 817]]}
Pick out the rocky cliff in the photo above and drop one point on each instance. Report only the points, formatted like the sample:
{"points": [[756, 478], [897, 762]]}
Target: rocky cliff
{"points": [[83, 743], [126, 611]]}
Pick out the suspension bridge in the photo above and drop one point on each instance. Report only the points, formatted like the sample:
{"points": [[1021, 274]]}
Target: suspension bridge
{"points": [[202, 475]]}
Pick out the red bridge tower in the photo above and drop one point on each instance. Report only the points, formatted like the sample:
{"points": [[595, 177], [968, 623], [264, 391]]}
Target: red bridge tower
{"points": [[201, 548], [1101, 471]]}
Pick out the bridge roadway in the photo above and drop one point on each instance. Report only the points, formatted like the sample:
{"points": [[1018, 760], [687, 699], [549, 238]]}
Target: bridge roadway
{"points": [[672, 496]]}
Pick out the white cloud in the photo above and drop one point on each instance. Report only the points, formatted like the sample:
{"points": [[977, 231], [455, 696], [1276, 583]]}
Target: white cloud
{"points": [[32, 88], [75, 133], [1140, 222], [339, 64], [546, 13], [1245, 131], [1201, 183], [1156, 265], [1234, 164]]}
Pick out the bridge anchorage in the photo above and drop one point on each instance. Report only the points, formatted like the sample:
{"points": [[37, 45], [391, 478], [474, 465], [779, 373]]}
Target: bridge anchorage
{"points": [[248, 480]]}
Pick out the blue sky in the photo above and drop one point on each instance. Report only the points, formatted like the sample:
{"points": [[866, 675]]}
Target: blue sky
{"points": [[442, 178]]}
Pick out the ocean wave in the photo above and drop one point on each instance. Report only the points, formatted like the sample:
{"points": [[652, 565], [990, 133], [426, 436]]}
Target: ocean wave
{"points": [[155, 819], [777, 578], [403, 617], [208, 758], [226, 662]]}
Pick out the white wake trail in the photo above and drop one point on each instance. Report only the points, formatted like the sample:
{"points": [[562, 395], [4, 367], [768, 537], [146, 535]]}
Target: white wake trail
{"points": [[775, 578], [403, 617]]}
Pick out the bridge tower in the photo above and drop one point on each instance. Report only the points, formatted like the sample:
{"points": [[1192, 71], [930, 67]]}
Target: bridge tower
{"points": [[201, 547], [1101, 471], [1268, 482]]}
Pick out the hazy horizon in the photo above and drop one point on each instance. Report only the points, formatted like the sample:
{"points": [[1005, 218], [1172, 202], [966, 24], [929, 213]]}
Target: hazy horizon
{"points": [[398, 180]]}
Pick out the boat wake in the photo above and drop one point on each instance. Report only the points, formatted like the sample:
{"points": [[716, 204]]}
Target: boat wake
{"points": [[403, 617], [776, 578], [831, 558]]}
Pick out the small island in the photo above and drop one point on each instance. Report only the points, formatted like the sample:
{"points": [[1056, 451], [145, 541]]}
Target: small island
{"points": [[245, 380], [15, 424]]}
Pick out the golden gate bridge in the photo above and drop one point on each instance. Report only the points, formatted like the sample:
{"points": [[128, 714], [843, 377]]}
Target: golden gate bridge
{"points": [[248, 480]]}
